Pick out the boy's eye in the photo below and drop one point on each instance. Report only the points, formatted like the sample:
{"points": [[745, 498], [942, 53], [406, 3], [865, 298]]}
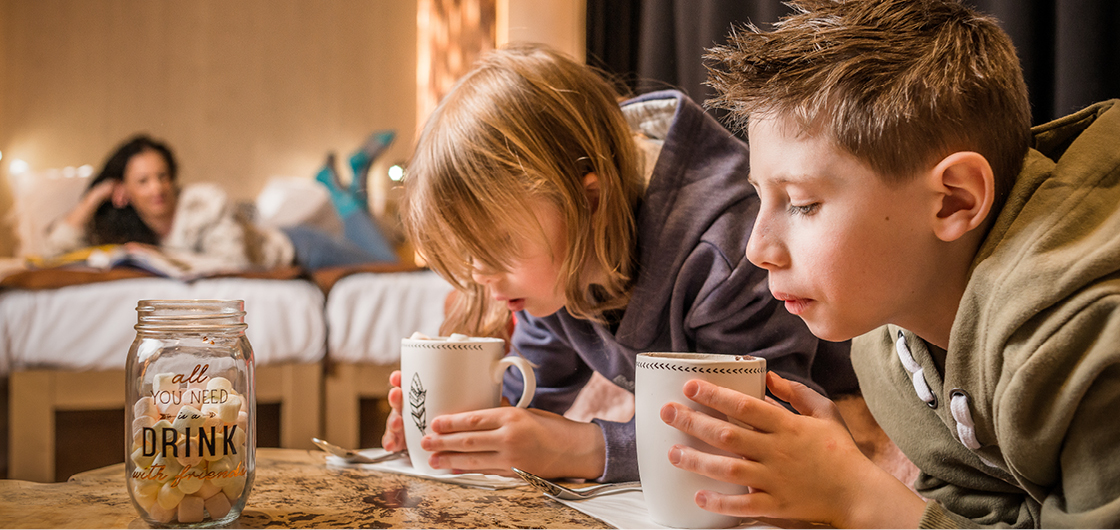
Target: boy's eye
{"points": [[807, 209]]}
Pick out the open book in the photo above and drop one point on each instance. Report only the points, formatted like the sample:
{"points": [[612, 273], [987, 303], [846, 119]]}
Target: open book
{"points": [[177, 265]]}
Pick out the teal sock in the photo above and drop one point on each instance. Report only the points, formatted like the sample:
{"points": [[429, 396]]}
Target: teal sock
{"points": [[345, 202], [363, 158]]}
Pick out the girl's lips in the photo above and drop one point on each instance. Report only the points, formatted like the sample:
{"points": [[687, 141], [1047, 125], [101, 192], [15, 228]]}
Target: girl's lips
{"points": [[516, 304]]}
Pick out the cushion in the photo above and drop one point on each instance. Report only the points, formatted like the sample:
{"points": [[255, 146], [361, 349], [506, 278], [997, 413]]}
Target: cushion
{"points": [[40, 197]]}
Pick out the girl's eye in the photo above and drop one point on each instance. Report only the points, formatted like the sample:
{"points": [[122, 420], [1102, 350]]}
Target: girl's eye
{"points": [[807, 209]]}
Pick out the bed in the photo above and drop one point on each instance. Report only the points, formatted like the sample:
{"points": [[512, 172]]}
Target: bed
{"points": [[65, 334], [64, 349]]}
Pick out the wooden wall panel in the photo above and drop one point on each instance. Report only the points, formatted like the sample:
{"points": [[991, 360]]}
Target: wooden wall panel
{"points": [[241, 90], [561, 24]]}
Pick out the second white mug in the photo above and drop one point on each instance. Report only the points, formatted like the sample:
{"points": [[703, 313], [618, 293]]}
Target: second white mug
{"points": [[442, 376], [659, 378]]}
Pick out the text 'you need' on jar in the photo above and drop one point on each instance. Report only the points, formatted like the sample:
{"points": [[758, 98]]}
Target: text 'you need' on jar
{"points": [[191, 414]]}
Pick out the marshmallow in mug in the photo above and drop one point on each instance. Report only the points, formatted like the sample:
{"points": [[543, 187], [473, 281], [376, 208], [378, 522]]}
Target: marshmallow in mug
{"points": [[455, 337], [172, 485]]}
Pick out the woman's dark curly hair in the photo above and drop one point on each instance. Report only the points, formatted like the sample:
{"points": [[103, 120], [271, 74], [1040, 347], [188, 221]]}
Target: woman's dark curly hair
{"points": [[112, 225]]}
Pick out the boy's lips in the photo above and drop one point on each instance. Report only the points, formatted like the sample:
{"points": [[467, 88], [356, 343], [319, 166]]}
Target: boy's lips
{"points": [[793, 304]]}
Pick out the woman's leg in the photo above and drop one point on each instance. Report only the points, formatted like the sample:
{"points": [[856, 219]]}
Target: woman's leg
{"points": [[362, 231], [363, 158], [316, 249], [364, 242]]}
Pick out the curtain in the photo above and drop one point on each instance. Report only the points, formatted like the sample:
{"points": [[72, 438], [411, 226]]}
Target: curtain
{"points": [[1068, 56]]}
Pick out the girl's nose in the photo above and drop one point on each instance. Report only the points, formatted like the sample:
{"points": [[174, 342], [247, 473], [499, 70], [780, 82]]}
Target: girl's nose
{"points": [[482, 274]]}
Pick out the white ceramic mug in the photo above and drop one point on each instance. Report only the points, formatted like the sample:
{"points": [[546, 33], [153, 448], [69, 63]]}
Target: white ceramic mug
{"points": [[444, 376], [659, 378]]}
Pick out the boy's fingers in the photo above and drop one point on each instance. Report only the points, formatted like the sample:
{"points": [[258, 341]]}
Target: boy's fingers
{"points": [[746, 409], [754, 504], [717, 433], [803, 399], [722, 468], [395, 378]]}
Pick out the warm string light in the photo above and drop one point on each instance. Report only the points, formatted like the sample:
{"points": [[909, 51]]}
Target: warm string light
{"points": [[396, 172], [18, 167]]}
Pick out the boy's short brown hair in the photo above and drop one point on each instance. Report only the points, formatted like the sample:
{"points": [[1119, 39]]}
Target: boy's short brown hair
{"points": [[900, 84]]}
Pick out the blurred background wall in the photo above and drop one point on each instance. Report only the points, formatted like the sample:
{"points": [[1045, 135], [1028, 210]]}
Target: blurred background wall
{"points": [[242, 91]]}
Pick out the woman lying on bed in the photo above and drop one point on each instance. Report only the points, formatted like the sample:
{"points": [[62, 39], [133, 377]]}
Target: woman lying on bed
{"points": [[136, 199]]}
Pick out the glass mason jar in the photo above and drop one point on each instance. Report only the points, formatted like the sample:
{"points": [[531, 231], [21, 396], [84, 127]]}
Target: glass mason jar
{"points": [[191, 413]]}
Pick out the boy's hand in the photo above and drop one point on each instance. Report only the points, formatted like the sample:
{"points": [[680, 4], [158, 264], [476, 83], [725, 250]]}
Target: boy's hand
{"points": [[797, 467], [494, 440], [393, 439]]}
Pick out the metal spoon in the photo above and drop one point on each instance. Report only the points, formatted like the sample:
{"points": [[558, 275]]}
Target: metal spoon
{"points": [[354, 457], [557, 491]]}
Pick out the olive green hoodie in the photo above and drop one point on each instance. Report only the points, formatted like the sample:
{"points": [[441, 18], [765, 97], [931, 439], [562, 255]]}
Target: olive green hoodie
{"points": [[1034, 352]]}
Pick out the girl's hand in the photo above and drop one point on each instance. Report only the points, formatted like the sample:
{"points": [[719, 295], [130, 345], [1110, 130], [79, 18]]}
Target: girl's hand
{"points": [[494, 440], [393, 439], [797, 467]]}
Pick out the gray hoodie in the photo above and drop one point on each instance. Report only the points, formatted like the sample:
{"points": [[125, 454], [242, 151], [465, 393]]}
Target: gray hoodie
{"points": [[695, 291]]}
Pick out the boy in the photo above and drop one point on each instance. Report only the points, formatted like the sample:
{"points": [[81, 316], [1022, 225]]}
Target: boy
{"points": [[905, 199]]}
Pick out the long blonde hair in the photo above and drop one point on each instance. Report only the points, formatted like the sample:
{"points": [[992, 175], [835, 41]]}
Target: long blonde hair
{"points": [[527, 122]]}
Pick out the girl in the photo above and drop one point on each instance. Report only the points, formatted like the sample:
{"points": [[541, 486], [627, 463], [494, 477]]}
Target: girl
{"points": [[608, 232], [136, 199]]}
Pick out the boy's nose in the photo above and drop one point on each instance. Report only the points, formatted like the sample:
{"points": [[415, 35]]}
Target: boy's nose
{"points": [[763, 248]]}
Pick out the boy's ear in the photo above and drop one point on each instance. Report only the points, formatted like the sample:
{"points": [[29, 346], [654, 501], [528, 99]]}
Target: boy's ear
{"points": [[966, 187], [591, 189]]}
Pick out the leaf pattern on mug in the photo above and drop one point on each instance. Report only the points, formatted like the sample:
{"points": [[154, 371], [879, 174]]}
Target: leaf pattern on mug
{"points": [[416, 397]]}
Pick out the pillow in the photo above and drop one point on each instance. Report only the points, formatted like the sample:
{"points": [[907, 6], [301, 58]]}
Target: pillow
{"points": [[40, 197], [291, 201]]}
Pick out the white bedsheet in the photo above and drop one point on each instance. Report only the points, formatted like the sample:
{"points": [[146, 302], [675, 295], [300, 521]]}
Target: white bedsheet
{"points": [[90, 327], [369, 313]]}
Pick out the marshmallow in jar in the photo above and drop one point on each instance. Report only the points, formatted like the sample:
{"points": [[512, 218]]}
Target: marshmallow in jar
{"points": [[190, 428]]}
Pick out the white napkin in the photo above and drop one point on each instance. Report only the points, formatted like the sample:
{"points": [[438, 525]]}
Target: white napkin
{"points": [[628, 510], [402, 466]]}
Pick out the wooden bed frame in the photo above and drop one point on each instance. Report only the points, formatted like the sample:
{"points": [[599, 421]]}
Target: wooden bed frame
{"points": [[35, 396], [346, 384]]}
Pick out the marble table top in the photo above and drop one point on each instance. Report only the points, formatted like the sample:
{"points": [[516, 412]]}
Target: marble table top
{"points": [[297, 489]]}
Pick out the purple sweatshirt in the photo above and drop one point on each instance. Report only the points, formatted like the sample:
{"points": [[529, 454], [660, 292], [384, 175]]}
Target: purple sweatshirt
{"points": [[696, 291]]}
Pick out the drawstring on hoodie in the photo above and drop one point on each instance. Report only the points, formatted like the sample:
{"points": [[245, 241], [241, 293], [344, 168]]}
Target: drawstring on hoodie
{"points": [[958, 400], [966, 428], [917, 373]]}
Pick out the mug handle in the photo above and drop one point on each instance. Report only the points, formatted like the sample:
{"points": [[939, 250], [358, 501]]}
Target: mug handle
{"points": [[522, 364]]}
